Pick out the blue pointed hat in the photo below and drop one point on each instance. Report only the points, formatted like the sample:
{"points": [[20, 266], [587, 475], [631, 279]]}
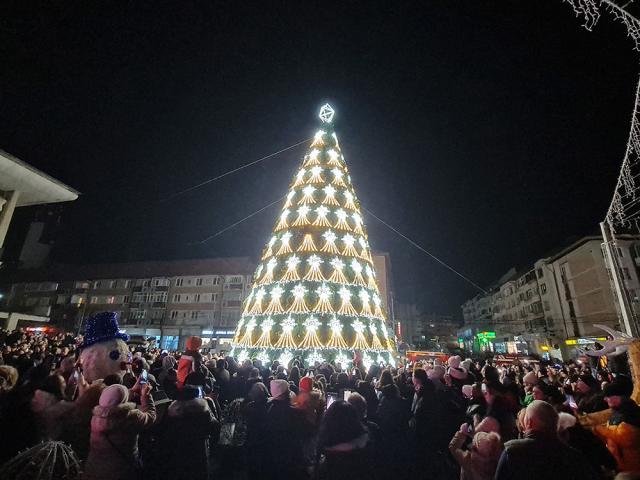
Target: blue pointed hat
{"points": [[101, 327]]}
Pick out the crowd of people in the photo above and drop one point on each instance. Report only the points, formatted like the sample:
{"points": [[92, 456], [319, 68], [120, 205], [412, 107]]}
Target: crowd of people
{"points": [[190, 415]]}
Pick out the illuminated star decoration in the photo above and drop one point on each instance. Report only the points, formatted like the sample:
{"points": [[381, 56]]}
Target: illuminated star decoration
{"points": [[326, 113]]}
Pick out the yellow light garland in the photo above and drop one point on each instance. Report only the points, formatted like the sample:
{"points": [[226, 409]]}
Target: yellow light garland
{"points": [[307, 244]]}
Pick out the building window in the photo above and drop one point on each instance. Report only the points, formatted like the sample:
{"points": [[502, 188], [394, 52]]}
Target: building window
{"points": [[216, 280], [540, 273], [194, 315], [111, 300], [176, 298], [543, 288], [94, 299], [125, 299], [196, 297], [174, 314], [179, 282], [97, 284], [198, 282], [127, 284], [111, 283]]}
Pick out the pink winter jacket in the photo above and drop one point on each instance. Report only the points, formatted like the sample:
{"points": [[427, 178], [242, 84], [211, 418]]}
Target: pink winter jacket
{"points": [[113, 451]]}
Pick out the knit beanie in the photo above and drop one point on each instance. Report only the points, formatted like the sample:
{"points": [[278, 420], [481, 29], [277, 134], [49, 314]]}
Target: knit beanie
{"points": [[436, 373], [114, 395], [278, 387], [193, 343], [455, 361], [487, 444], [306, 384]]}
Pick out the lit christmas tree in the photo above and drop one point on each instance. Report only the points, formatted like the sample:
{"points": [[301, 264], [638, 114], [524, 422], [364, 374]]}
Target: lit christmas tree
{"points": [[315, 291]]}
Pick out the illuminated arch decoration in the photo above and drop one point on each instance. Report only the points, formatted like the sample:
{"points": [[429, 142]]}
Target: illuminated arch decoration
{"points": [[299, 304], [375, 341], [321, 217], [345, 306], [334, 158], [337, 276], [307, 244], [341, 222], [269, 250], [289, 202], [311, 339], [349, 249], [286, 340], [312, 158], [348, 202], [291, 274], [324, 304], [283, 223], [330, 196], [314, 274], [248, 333], [338, 178], [316, 175], [360, 342], [284, 243], [275, 305], [307, 196], [257, 305], [357, 220], [335, 339], [330, 243], [300, 177], [264, 340], [268, 276], [302, 219]]}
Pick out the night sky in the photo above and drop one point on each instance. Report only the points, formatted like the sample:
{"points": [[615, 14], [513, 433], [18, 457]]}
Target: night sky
{"points": [[490, 132]]}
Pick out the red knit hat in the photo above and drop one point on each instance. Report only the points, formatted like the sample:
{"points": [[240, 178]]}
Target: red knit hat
{"points": [[194, 343], [306, 384]]}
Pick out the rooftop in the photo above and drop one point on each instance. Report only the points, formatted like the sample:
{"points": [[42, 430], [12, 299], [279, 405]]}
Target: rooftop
{"points": [[35, 186]]}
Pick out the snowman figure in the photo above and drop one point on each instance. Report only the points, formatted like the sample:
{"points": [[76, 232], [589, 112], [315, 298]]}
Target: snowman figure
{"points": [[104, 350]]}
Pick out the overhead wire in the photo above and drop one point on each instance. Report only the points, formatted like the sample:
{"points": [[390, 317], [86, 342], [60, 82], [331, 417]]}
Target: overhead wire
{"points": [[422, 249], [241, 167], [220, 232]]}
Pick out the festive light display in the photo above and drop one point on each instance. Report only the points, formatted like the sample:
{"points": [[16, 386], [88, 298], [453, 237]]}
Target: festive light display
{"points": [[292, 269], [314, 274], [311, 339], [330, 196], [315, 289]]}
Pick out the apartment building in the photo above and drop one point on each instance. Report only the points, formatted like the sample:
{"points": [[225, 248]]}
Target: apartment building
{"points": [[168, 300], [551, 306]]}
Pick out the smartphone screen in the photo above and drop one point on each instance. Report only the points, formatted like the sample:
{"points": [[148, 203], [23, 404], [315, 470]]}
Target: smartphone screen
{"points": [[144, 377], [200, 392], [331, 397], [345, 394]]}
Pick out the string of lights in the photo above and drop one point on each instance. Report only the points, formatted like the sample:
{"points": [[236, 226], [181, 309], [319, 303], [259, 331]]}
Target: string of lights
{"points": [[625, 204]]}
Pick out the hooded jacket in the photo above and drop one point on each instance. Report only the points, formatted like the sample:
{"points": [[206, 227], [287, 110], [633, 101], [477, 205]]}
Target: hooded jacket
{"points": [[186, 433], [113, 450]]}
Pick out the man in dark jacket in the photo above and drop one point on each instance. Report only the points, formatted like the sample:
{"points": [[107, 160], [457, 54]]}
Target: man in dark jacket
{"points": [[286, 429], [540, 453]]}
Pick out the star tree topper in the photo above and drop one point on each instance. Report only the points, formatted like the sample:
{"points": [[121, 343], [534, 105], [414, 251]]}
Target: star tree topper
{"points": [[326, 113]]}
